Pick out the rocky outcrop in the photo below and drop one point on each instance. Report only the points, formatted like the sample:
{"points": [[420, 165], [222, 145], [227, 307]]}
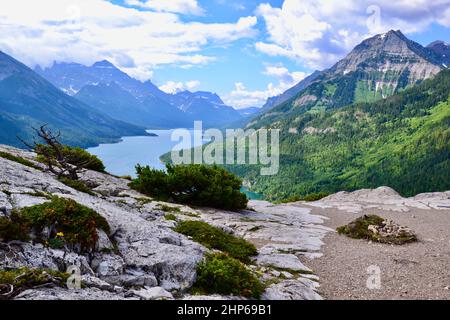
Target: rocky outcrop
{"points": [[383, 198], [148, 252], [142, 258]]}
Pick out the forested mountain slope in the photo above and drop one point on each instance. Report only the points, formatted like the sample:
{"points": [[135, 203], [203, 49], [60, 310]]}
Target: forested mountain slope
{"points": [[402, 142]]}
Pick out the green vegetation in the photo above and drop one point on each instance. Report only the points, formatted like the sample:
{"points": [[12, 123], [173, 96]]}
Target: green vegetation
{"points": [[77, 185], [68, 223], [222, 274], [18, 280], [17, 159], [170, 217], [402, 142], [208, 186], [215, 238], [73, 155], [360, 229]]}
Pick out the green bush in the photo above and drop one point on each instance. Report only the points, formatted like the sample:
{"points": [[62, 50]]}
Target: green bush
{"points": [[74, 155], [224, 275], [170, 217], [69, 222], [15, 227], [359, 229], [215, 238], [199, 185]]}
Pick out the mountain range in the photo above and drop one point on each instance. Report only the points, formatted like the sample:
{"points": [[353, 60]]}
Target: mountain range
{"points": [[27, 100], [111, 91]]}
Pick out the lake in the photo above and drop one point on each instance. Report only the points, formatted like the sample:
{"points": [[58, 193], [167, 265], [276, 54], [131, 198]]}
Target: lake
{"points": [[121, 158]]}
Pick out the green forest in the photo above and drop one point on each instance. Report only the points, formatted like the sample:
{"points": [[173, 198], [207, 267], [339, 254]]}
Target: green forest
{"points": [[402, 142]]}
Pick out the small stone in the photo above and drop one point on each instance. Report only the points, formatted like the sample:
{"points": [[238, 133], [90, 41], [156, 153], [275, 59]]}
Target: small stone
{"points": [[275, 273], [155, 293]]}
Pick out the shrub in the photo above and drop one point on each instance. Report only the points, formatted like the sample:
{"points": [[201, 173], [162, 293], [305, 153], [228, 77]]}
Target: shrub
{"points": [[222, 274], [358, 229], [73, 155], [198, 185], [215, 238], [381, 231], [24, 278], [77, 185], [68, 222]]}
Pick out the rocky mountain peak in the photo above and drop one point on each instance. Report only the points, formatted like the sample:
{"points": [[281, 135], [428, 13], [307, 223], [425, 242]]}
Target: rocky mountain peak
{"points": [[104, 64], [391, 51], [442, 50]]}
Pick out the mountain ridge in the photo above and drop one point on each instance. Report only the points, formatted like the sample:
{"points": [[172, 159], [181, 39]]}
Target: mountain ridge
{"points": [[27, 99], [159, 109]]}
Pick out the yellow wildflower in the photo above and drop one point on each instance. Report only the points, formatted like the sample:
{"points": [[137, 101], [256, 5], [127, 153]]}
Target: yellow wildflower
{"points": [[60, 234]]}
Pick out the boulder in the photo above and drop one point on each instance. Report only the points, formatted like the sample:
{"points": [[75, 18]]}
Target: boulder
{"points": [[155, 293]]}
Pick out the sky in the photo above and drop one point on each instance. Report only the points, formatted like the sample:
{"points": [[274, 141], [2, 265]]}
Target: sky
{"points": [[244, 50]]}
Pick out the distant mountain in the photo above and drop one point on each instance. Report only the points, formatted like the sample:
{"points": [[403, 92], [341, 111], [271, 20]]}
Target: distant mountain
{"points": [[377, 68], [27, 99], [205, 106], [248, 111], [112, 91], [118, 103], [442, 49]]}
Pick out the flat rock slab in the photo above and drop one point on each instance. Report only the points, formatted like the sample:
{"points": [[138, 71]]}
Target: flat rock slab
{"points": [[282, 261], [156, 293], [299, 289]]}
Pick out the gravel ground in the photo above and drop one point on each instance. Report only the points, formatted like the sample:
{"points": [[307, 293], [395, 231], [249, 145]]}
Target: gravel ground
{"points": [[415, 271]]}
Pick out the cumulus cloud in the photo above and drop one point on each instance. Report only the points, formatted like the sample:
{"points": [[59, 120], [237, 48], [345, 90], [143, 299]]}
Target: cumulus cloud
{"points": [[175, 6], [319, 32], [173, 87], [241, 97], [85, 31]]}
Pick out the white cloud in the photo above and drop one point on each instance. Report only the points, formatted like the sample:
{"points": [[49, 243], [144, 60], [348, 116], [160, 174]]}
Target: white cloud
{"points": [[319, 32], [173, 87], [241, 97], [175, 6], [85, 31]]}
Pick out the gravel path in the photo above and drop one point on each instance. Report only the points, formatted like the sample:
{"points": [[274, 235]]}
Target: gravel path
{"points": [[415, 271]]}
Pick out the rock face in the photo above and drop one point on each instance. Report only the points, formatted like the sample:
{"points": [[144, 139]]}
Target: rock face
{"points": [[148, 251], [383, 198], [142, 258]]}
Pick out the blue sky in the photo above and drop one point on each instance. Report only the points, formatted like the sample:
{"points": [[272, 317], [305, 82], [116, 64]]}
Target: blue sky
{"points": [[246, 51]]}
